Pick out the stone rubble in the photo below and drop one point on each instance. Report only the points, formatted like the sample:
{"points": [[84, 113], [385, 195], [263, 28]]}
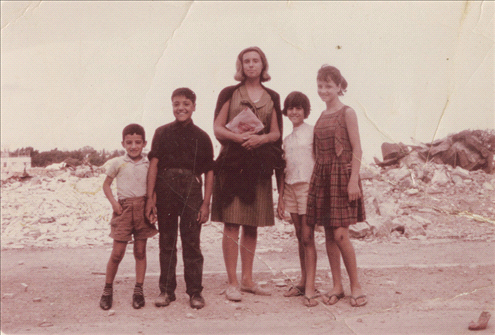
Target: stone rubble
{"points": [[414, 200]]}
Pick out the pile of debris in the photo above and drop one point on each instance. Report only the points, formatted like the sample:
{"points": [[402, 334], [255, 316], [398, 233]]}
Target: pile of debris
{"points": [[408, 198], [54, 170], [469, 149]]}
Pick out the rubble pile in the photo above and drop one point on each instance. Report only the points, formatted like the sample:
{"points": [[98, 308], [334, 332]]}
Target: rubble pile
{"points": [[412, 199], [469, 149], [60, 210]]}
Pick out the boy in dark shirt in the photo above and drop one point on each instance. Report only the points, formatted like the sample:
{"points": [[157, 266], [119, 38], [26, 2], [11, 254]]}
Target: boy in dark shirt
{"points": [[180, 153]]}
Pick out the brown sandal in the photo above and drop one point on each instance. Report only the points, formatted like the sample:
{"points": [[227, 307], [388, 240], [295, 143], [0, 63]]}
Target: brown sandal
{"points": [[310, 301], [329, 297], [295, 291], [355, 304]]}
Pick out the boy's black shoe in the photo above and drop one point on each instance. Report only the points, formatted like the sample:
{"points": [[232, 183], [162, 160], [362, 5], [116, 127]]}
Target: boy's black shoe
{"points": [[164, 299], [197, 301], [106, 301], [137, 301]]}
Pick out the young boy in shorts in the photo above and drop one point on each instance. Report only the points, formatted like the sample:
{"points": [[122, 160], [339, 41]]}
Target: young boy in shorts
{"points": [[128, 212], [180, 154], [293, 195]]}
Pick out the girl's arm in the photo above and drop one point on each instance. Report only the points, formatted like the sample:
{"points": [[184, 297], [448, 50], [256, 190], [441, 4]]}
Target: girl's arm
{"points": [[222, 133], [107, 190], [255, 141], [352, 129]]}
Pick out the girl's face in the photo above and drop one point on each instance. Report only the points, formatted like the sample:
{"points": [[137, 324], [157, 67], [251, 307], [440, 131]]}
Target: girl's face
{"points": [[252, 64], [296, 115], [328, 90]]}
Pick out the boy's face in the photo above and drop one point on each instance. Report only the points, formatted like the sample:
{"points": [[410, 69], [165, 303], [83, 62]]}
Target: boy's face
{"points": [[295, 115], [133, 145], [183, 108]]}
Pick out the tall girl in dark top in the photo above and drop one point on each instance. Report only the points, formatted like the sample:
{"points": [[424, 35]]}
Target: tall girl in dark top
{"points": [[335, 198], [242, 194]]}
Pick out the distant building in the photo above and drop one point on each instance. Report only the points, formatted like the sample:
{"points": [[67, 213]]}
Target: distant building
{"points": [[15, 164]]}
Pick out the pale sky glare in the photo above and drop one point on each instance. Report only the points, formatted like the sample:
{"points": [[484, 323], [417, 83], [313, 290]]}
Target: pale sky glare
{"points": [[75, 73]]}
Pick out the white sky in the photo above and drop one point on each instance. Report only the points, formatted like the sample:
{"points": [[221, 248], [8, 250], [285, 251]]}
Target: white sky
{"points": [[75, 73]]}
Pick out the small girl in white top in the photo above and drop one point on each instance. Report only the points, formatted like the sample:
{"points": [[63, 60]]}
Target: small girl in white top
{"points": [[298, 148]]}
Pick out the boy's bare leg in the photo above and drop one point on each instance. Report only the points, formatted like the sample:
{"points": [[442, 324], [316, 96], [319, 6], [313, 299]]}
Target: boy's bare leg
{"points": [[230, 248], [140, 257], [118, 253]]}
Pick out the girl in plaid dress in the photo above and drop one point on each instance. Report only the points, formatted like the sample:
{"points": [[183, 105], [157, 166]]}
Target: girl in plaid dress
{"points": [[335, 193]]}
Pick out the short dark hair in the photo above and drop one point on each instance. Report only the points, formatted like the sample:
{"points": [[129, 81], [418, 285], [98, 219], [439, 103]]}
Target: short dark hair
{"points": [[297, 99], [184, 92], [133, 128]]}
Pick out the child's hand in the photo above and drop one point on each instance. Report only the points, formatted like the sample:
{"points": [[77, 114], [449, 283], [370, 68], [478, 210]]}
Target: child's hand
{"points": [[281, 209], [117, 208], [203, 214], [353, 191], [150, 210], [153, 217]]}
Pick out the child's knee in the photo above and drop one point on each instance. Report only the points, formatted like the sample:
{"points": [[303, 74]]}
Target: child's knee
{"points": [[139, 255], [308, 239], [340, 235], [117, 256]]}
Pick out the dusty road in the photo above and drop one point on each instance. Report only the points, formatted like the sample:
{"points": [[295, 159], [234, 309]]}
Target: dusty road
{"points": [[414, 287]]}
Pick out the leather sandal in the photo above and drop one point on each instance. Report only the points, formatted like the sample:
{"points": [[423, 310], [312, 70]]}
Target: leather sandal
{"points": [[295, 291], [355, 299], [328, 298], [310, 301]]}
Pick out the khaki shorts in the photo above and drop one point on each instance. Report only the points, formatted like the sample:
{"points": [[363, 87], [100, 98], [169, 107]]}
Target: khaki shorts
{"points": [[131, 221], [296, 197]]}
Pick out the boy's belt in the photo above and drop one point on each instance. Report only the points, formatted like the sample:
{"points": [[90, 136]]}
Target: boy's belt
{"points": [[179, 171]]}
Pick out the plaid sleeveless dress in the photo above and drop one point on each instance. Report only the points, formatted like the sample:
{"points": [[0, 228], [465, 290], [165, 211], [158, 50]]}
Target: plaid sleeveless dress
{"points": [[328, 202]]}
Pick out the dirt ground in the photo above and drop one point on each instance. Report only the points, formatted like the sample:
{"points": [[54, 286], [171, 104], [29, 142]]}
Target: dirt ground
{"points": [[433, 286], [431, 279]]}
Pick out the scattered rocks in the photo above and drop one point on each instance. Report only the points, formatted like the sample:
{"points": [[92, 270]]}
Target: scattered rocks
{"points": [[56, 208]]}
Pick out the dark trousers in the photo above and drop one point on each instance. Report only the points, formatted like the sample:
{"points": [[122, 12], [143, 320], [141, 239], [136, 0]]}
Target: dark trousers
{"points": [[179, 196]]}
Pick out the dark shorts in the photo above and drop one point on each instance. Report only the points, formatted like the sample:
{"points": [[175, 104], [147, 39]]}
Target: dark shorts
{"points": [[131, 221]]}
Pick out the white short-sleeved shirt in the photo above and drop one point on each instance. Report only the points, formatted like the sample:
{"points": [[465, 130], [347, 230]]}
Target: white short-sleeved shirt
{"points": [[298, 147], [131, 176]]}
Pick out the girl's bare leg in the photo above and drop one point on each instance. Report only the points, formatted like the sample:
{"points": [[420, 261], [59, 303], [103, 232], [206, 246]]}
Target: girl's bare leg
{"points": [[308, 242], [296, 219], [248, 248], [333, 253], [230, 249], [343, 241]]}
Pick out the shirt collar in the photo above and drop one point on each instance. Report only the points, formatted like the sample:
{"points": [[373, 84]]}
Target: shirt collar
{"points": [[144, 159], [178, 125], [264, 99]]}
